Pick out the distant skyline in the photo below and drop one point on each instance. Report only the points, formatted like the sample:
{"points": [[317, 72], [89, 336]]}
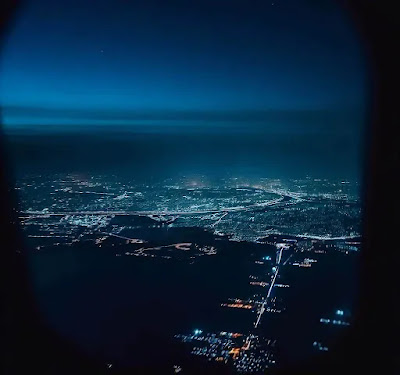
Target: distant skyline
{"points": [[116, 62]]}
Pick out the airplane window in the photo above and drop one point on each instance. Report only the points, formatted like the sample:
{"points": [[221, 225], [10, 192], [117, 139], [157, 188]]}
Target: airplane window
{"points": [[189, 176]]}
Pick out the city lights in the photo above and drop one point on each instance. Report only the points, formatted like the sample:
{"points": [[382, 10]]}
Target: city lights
{"points": [[175, 225]]}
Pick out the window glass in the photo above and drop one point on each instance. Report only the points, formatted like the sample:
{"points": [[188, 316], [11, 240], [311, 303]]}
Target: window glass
{"points": [[188, 176]]}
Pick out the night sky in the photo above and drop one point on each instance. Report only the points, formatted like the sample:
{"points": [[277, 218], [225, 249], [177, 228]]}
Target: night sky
{"points": [[120, 62]]}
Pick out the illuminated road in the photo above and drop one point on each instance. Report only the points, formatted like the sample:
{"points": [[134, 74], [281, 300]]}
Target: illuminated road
{"points": [[158, 213], [118, 236], [264, 304], [326, 238], [219, 220], [287, 260]]}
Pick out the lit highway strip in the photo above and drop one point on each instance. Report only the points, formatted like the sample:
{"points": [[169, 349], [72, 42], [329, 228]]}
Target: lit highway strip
{"points": [[284, 263], [219, 220], [146, 213], [262, 310]]}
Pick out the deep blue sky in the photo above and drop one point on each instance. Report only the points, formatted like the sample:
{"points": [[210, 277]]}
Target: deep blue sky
{"points": [[75, 61]]}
